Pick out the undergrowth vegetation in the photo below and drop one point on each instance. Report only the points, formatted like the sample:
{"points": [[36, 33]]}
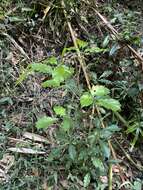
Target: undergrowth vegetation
{"points": [[71, 101]]}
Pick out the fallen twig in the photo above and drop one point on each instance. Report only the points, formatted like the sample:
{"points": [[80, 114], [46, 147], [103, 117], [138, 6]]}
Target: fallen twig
{"points": [[116, 34], [15, 44], [138, 166]]}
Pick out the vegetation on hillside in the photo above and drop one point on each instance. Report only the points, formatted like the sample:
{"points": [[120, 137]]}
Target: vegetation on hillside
{"points": [[71, 95]]}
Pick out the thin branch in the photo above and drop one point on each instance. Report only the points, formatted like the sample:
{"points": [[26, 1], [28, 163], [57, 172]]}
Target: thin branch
{"points": [[80, 58]]}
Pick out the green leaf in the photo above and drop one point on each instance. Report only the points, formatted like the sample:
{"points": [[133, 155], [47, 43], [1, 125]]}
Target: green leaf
{"points": [[59, 75], [105, 149], [68, 50], [45, 122], [137, 185], [95, 50], [105, 134], [59, 110], [86, 180], [111, 161], [99, 90], [86, 100], [62, 73], [105, 74], [51, 83], [106, 41], [113, 128], [66, 124], [6, 100], [26, 9], [82, 44], [98, 163], [23, 75], [72, 152], [52, 60], [133, 127], [42, 68], [114, 49], [109, 103], [16, 19]]}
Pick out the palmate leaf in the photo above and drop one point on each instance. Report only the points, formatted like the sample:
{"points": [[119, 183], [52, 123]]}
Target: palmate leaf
{"points": [[45, 122], [109, 103]]}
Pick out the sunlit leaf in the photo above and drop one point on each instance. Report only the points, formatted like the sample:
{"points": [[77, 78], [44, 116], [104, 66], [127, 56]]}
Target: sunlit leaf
{"points": [[62, 72], [106, 41], [114, 49], [52, 60], [26, 9], [86, 180], [51, 83], [86, 100], [137, 185], [42, 68], [82, 44], [105, 74], [68, 50], [45, 122], [94, 50], [109, 103], [16, 19], [113, 128], [99, 90], [59, 110]]}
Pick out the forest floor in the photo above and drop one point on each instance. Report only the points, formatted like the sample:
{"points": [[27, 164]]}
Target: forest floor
{"points": [[109, 36]]}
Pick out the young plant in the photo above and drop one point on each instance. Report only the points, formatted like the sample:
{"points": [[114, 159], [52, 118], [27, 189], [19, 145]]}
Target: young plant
{"points": [[79, 144]]}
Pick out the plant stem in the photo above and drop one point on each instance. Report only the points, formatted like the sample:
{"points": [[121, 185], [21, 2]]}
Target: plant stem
{"points": [[110, 177]]}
